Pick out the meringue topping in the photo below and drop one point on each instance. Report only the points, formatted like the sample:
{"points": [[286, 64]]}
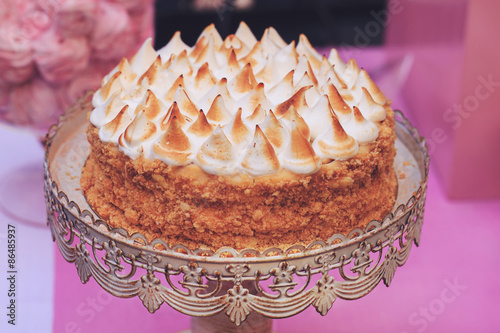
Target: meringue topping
{"points": [[239, 105]]}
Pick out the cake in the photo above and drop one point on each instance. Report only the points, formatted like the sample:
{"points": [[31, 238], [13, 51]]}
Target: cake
{"points": [[240, 143]]}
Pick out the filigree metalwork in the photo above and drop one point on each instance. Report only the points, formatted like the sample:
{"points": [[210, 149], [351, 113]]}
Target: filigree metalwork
{"points": [[275, 283]]}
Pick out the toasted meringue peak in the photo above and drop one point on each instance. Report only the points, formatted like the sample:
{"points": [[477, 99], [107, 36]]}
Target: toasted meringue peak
{"points": [[332, 77], [233, 92], [139, 130], [112, 86], [335, 143], [174, 112], [245, 35], [364, 80], [207, 54], [233, 44], [319, 117], [267, 74], [236, 131], [254, 98], [303, 67], [259, 158], [173, 147], [258, 116], [362, 130], [186, 106], [334, 59], [275, 131], [299, 156], [218, 114], [216, 155], [170, 94], [254, 57], [201, 128], [305, 48], [293, 117], [206, 101], [351, 73], [272, 35], [232, 68], [211, 32], [204, 80], [152, 72], [282, 90], [174, 46], [146, 55], [199, 47], [181, 65], [339, 106], [106, 112], [127, 76], [243, 82], [113, 129], [297, 101], [285, 60], [371, 110], [151, 105]]}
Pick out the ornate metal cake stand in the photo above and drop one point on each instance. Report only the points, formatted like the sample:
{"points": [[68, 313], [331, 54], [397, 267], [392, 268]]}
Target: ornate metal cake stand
{"points": [[230, 290]]}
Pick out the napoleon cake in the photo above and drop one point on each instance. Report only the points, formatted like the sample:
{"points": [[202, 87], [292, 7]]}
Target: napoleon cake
{"points": [[240, 143]]}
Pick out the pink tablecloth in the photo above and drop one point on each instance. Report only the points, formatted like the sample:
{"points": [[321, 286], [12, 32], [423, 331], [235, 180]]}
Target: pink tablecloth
{"points": [[451, 283]]}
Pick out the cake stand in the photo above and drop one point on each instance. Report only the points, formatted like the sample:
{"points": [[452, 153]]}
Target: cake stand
{"points": [[230, 290]]}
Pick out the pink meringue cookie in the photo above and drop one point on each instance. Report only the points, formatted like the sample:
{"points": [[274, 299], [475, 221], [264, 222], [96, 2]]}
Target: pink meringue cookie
{"points": [[112, 27], [34, 22], [88, 80], [133, 5], [76, 17], [16, 58], [60, 59], [34, 103], [140, 20]]}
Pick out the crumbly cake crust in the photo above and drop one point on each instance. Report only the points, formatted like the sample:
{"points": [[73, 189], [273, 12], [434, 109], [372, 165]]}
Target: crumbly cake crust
{"points": [[186, 205]]}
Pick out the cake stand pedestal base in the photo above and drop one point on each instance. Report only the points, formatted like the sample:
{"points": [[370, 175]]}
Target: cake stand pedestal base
{"points": [[254, 323]]}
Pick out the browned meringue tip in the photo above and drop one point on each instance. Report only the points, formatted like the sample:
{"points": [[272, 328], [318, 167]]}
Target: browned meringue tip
{"points": [[152, 72], [252, 56], [258, 115], [173, 146], [218, 113], [305, 47], [300, 147], [169, 95], [174, 112], [211, 31], [186, 106], [198, 48], [151, 105], [335, 79], [114, 84], [351, 73], [181, 62], [201, 127], [237, 131], [273, 35], [260, 149], [118, 122], [245, 80], [245, 34], [365, 80], [232, 61], [292, 116], [338, 131], [204, 76], [337, 102], [297, 102], [233, 44], [126, 70], [358, 116], [139, 130], [335, 59]]}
